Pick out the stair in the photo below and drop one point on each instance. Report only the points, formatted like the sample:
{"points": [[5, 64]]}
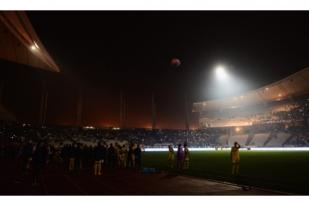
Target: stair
{"points": [[269, 139], [250, 138], [288, 140]]}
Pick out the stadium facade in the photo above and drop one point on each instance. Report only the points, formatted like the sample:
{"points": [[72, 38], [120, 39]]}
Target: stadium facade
{"points": [[263, 105]]}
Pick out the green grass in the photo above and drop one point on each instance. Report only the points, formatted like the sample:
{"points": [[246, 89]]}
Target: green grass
{"points": [[279, 170]]}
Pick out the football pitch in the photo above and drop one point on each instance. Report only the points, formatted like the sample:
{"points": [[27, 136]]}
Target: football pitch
{"points": [[286, 171]]}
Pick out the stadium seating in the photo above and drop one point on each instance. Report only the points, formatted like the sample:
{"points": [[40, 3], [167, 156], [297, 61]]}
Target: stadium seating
{"points": [[223, 140], [259, 139], [241, 139], [278, 140]]}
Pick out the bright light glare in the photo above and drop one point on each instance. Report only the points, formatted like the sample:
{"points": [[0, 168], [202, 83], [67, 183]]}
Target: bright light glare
{"points": [[228, 148], [33, 47], [221, 73], [89, 127]]}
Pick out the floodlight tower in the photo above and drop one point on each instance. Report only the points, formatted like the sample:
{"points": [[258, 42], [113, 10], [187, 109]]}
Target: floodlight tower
{"points": [[1, 90], [79, 108], [183, 73], [43, 106]]}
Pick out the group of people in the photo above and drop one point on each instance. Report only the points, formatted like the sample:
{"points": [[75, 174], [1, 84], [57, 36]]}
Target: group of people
{"points": [[34, 157], [78, 156], [183, 157]]}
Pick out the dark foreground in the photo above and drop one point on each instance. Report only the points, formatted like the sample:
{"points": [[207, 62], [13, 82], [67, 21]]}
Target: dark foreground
{"points": [[56, 181]]}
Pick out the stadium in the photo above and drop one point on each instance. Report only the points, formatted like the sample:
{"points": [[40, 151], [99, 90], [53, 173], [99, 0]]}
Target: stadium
{"points": [[48, 149]]}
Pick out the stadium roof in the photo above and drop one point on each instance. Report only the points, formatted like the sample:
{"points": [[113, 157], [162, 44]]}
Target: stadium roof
{"points": [[290, 87], [20, 43]]}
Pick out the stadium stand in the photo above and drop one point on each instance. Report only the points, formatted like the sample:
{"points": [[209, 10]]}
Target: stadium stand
{"points": [[223, 140], [259, 139], [241, 139], [278, 139], [250, 137]]}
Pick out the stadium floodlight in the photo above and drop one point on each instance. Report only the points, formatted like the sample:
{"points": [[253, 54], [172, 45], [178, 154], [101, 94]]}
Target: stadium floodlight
{"points": [[225, 83], [221, 73], [34, 46]]}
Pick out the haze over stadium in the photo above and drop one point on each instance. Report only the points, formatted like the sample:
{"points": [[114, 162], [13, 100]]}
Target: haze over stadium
{"points": [[99, 88]]}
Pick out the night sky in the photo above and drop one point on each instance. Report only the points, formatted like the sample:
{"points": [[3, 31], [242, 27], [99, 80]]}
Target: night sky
{"points": [[106, 52]]}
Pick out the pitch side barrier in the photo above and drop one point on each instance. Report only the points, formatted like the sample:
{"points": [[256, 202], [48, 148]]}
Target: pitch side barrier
{"points": [[228, 148]]}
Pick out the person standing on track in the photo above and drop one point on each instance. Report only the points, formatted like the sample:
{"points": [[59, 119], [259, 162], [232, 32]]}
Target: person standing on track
{"points": [[131, 156], [235, 159], [99, 155], [39, 159], [171, 156], [72, 157], [186, 157], [138, 156], [180, 157]]}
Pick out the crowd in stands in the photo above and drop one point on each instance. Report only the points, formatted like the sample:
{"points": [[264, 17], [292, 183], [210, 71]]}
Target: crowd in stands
{"points": [[63, 137], [70, 135]]}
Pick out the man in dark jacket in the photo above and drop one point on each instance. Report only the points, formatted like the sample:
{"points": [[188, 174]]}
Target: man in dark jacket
{"points": [[26, 157], [39, 159], [138, 156], [99, 155], [72, 154], [112, 157]]}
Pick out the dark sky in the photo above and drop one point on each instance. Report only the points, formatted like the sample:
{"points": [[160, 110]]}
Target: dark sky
{"points": [[109, 51]]}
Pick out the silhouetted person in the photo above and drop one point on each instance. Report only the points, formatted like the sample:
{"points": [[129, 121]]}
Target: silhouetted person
{"points": [[72, 153], [39, 159], [78, 157], [123, 153], [186, 157], [180, 157], [112, 158], [138, 156], [131, 156], [171, 156], [99, 155], [235, 159], [26, 157]]}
